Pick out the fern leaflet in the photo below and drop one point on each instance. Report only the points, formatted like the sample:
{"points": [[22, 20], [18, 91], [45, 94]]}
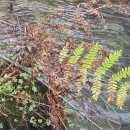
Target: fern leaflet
{"points": [[87, 63], [116, 77], [96, 88], [111, 89], [112, 86], [109, 62], [76, 54], [123, 73], [105, 66], [63, 53], [73, 59], [121, 96]]}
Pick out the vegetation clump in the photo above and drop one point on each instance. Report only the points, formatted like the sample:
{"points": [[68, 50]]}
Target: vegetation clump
{"points": [[34, 85]]}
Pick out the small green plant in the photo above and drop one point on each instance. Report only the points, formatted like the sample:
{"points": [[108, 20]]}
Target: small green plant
{"points": [[18, 98]]}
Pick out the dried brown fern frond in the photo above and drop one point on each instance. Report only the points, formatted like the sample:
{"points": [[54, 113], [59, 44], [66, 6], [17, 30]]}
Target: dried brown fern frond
{"points": [[90, 8], [90, 12], [56, 113]]}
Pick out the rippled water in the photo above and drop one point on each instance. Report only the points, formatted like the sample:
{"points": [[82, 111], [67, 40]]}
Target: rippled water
{"points": [[116, 36]]}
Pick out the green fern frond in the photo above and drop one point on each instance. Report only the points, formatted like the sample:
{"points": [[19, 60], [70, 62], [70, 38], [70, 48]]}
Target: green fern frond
{"points": [[96, 88], [87, 63], [109, 62], [90, 57], [63, 53], [76, 54], [102, 69], [73, 59], [115, 78], [123, 73], [122, 93]]}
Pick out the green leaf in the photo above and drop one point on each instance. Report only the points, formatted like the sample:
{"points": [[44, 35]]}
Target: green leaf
{"points": [[76, 54], [15, 120], [40, 120], [26, 86], [34, 89], [31, 108], [5, 76], [2, 99], [33, 120], [24, 102], [20, 81], [63, 53], [25, 75], [20, 108], [1, 126], [48, 122]]}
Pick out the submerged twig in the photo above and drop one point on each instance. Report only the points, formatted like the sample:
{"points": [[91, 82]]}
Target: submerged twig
{"points": [[1, 21]]}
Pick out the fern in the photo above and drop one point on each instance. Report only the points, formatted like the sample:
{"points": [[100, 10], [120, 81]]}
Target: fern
{"points": [[121, 96], [73, 59], [96, 88], [109, 62], [76, 54], [112, 86], [89, 58], [87, 63], [63, 53], [105, 66], [111, 90], [123, 73], [115, 78]]}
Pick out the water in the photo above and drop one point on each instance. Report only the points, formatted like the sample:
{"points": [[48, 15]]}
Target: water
{"points": [[115, 37]]}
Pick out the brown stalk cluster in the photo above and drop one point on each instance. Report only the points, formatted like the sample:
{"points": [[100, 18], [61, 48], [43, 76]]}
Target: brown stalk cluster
{"points": [[40, 53]]}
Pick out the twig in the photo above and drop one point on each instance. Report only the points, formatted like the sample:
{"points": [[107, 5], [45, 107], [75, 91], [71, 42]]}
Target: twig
{"points": [[1, 21], [79, 112]]}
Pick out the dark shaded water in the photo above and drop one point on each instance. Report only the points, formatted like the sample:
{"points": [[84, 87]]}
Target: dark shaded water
{"points": [[115, 37]]}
